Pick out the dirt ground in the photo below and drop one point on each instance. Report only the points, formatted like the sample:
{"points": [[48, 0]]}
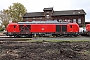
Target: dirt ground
{"points": [[44, 51], [1, 34]]}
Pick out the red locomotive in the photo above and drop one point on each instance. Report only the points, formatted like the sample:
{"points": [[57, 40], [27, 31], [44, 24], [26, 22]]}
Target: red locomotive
{"points": [[29, 29], [88, 29]]}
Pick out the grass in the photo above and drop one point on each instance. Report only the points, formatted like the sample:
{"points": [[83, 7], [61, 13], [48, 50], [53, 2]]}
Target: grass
{"points": [[87, 52], [30, 40], [58, 40]]}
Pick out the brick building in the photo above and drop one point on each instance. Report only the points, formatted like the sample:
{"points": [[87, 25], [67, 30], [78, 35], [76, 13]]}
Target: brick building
{"points": [[75, 16]]}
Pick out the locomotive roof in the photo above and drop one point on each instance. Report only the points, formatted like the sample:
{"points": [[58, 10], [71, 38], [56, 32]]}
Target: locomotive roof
{"points": [[43, 22], [87, 24]]}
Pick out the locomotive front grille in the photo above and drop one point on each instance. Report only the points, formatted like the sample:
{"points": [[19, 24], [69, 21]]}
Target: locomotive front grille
{"points": [[24, 29]]}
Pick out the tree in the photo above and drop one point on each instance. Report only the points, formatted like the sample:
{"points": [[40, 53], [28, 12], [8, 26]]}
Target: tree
{"points": [[17, 11], [4, 17]]}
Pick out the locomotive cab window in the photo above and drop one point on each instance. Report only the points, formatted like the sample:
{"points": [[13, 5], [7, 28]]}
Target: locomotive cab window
{"points": [[14, 26], [70, 26]]}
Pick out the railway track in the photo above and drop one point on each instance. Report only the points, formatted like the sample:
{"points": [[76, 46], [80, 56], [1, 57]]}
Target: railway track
{"points": [[6, 38]]}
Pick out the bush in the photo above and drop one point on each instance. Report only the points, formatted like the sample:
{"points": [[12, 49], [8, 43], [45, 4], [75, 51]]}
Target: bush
{"points": [[1, 29]]}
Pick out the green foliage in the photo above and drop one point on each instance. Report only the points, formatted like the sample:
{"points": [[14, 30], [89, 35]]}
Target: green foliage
{"points": [[86, 52], [1, 29], [5, 17], [58, 40], [16, 11]]}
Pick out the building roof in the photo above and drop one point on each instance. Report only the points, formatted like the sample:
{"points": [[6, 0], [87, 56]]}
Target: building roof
{"points": [[34, 14], [48, 9], [55, 13], [69, 12]]}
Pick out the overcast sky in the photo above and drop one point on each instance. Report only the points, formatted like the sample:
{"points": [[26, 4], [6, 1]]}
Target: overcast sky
{"points": [[58, 5]]}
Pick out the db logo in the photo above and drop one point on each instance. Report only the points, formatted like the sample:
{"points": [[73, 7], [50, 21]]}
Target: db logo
{"points": [[42, 28]]}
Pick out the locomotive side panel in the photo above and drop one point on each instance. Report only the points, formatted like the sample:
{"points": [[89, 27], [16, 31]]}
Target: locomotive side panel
{"points": [[42, 28], [88, 29], [33, 29], [12, 28], [73, 27]]}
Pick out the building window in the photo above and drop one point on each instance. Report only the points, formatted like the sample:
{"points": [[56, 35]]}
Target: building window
{"points": [[60, 20], [69, 20], [73, 12], [74, 20], [26, 19], [79, 21], [47, 11], [40, 18], [33, 18], [47, 16], [79, 12]]}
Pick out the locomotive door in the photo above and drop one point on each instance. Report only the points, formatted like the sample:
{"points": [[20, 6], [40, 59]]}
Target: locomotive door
{"points": [[61, 28], [24, 29], [58, 28], [64, 28]]}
